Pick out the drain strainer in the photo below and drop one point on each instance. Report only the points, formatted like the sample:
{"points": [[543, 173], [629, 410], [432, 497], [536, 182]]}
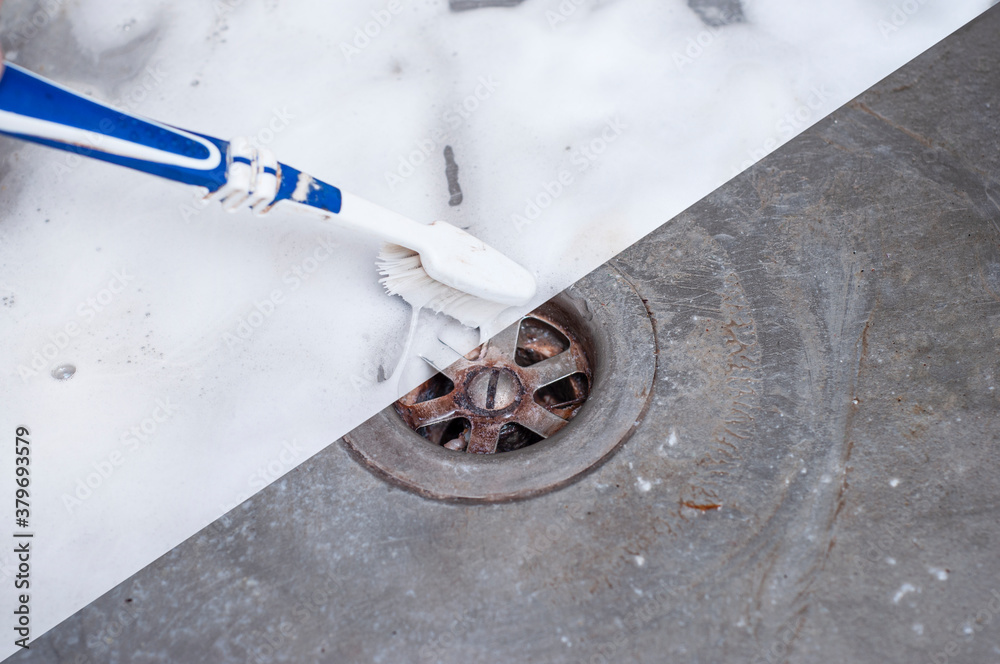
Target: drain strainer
{"points": [[522, 386], [535, 407]]}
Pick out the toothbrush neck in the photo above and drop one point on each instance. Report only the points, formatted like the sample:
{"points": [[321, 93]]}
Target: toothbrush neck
{"points": [[362, 215]]}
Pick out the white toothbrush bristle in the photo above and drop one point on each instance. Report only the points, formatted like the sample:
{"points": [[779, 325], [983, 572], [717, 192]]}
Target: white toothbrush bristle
{"points": [[403, 275]]}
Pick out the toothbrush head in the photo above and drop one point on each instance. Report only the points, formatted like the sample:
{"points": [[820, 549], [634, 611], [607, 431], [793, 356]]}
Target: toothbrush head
{"points": [[456, 274]]}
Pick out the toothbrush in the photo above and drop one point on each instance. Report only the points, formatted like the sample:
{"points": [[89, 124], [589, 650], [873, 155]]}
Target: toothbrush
{"points": [[437, 265]]}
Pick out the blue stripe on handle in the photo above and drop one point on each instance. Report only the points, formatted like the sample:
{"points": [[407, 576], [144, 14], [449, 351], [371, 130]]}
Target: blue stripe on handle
{"points": [[212, 180]]}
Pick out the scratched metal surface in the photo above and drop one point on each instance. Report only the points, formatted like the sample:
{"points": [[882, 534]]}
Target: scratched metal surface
{"points": [[828, 325]]}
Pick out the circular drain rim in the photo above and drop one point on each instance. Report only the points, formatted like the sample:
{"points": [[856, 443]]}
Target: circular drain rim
{"points": [[615, 324]]}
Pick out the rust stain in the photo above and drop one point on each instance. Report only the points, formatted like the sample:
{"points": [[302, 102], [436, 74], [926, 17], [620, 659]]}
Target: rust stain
{"points": [[926, 142], [700, 506]]}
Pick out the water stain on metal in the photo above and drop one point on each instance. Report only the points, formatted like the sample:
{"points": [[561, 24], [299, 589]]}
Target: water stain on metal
{"points": [[451, 172]]}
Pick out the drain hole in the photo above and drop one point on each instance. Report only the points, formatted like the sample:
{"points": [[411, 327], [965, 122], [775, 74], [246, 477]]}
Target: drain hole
{"points": [[453, 434], [437, 386], [537, 341], [564, 397], [513, 436]]}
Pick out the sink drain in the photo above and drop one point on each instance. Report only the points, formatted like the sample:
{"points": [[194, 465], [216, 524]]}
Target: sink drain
{"points": [[538, 405], [519, 388]]}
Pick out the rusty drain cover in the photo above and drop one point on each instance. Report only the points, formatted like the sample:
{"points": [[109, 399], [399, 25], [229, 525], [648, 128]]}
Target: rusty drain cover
{"points": [[522, 386], [535, 407]]}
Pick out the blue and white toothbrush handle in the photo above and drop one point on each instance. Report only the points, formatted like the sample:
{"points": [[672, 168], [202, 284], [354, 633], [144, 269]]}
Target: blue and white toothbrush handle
{"points": [[38, 110]]}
